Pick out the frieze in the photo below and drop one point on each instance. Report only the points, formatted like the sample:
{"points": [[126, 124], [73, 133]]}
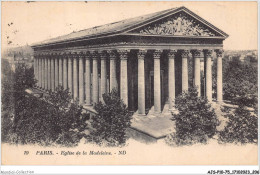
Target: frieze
{"points": [[180, 24]]}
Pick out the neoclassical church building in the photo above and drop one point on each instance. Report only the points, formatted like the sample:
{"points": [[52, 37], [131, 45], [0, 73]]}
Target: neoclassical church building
{"points": [[144, 58]]}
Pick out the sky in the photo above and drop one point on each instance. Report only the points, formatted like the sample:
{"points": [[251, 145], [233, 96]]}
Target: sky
{"points": [[26, 23]]}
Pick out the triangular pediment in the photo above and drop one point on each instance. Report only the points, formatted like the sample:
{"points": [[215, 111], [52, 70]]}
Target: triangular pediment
{"points": [[178, 24]]}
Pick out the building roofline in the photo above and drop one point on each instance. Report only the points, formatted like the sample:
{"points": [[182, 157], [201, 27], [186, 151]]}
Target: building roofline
{"points": [[123, 31]]}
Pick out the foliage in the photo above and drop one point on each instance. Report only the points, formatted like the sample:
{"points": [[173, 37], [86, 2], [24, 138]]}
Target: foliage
{"points": [[54, 120], [241, 127], [27, 119], [111, 122], [195, 121], [13, 85], [240, 83]]}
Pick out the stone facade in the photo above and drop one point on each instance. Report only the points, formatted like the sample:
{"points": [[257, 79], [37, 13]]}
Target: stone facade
{"points": [[148, 66]]}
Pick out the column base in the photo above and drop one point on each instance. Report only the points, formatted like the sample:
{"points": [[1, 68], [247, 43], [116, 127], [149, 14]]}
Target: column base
{"points": [[85, 104], [220, 102]]}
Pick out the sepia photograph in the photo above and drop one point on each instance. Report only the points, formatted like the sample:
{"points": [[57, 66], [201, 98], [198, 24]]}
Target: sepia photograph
{"points": [[129, 83]]}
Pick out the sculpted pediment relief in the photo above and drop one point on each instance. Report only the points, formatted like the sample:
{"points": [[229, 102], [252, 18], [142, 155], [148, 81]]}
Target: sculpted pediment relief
{"points": [[180, 24]]}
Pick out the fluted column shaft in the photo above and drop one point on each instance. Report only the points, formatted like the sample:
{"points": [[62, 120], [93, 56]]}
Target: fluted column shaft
{"points": [[123, 76], [49, 73], [95, 91], [219, 76], [75, 76], [87, 79], [171, 77], [35, 68], [197, 55], [113, 80], [39, 72], [65, 72], [52, 74], [103, 57], [56, 72], [208, 54], [43, 72], [157, 81], [70, 75], [141, 82], [46, 73], [81, 80], [185, 79], [60, 71]]}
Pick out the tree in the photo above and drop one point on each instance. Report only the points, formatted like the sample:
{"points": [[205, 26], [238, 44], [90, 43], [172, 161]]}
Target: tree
{"points": [[111, 122], [240, 83], [242, 127], [13, 94], [55, 119], [195, 121]]}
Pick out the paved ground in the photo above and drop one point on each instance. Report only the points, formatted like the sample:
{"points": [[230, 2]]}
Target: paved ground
{"points": [[153, 126]]}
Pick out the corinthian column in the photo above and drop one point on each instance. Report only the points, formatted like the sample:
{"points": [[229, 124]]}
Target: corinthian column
{"points": [[113, 80], [141, 82], [219, 75], [70, 75], [171, 77], [65, 71], [49, 72], [52, 74], [88, 79], [95, 78], [35, 68], [157, 81], [60, 70], [40, 72], [46, 72], [103, 57], [43, 71], [81, 79], [56, 71], [75, 76], [197, 54], [123, 76], [208, 54], [185, 79]]}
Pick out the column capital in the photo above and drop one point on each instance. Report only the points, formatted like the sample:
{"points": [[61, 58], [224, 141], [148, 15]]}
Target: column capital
{"points": [[87, 55], [157, 54], [141, 54], [196, 52], [94, 55], [59, 55], [75, 54], [171, 54], [123, 53], [103, 55], [219, 52], [81, 55], [208, 52], [112, 54], [49, 55], [185, 53]]}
